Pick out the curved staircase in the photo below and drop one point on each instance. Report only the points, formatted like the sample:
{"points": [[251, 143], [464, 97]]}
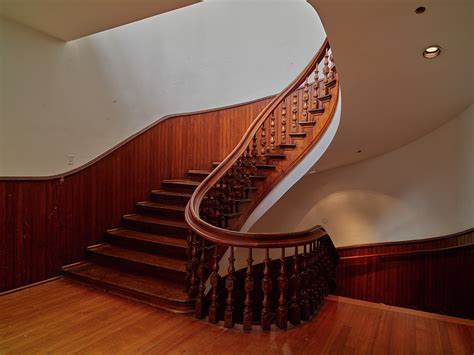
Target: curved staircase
{"points": [[166, 252]]}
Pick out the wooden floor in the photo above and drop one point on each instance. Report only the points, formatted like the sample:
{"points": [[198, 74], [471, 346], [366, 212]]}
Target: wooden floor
{"points": [[63, 317]]}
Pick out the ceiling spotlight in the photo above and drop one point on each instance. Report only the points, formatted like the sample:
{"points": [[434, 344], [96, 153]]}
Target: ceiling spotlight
{"points": [[420, 10], [432, 52]]}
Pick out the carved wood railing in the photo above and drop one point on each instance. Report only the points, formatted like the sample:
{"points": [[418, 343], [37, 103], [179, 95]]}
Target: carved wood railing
{"points": [[274, 143]]}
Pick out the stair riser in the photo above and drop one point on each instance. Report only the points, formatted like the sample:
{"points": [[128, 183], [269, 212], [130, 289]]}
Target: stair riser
{"points": [[178, 187], [136, 267], [175, 200], [141, 245], [157, 228], [160, 212], [170, 305], [197, 177]]}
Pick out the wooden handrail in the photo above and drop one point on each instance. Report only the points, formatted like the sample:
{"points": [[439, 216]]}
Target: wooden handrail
{"points": [[240, 239]]}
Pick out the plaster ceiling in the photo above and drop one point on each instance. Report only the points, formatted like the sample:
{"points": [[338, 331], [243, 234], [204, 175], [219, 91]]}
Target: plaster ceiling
{"points": [[391, 95], [71, 19]]}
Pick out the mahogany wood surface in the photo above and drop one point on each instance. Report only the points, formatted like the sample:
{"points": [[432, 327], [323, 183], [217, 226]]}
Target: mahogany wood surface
{"points": [[434, 274], [48, 222], [61, 317]]}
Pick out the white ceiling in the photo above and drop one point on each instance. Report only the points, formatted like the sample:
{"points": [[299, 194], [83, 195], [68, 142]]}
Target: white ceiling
{"points": [[391, 95], [71, 19]]}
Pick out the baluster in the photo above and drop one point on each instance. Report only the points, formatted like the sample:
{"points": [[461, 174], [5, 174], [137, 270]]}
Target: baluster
{"points": [[305, 306], [263, 139], [188, 262], [311, 291], [294, 110], [282, 314], [254, 156], [304, 113], [326, 73], [248, 293], [229, 285], [331, 75], [265, 318], [192, 291], [295, 314], [214, 279], [283, 122], [199, 308], [316, 88], [272, 132]]}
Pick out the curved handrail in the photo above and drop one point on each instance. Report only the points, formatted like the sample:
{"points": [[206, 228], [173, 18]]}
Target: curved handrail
{"points": [[244, 239]]}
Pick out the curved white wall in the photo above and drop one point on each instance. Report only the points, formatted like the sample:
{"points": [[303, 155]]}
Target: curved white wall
{"points": [[423, 189], [83, 97]]}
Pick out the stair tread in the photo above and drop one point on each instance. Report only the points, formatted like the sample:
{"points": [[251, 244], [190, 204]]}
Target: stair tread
{"points": [[171, 193], [182, 182], [155, 220], [148, 237], [149, 285], [199, 172], [139, 256], [167, 206]]}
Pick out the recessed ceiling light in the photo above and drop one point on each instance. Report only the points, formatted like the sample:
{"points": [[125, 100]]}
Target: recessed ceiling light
{"points": [[420, 10], [432, 52]]}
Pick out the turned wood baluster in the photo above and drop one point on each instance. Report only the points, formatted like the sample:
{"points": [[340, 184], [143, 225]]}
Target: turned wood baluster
{"points": [[263, 139], [282, 314], [272, 132], [283, 122], [326, 73], [192, 291], [305, 306], [247, 169], [213, 280], [304, 113], [294, 110], [316, 88], [247, 323], [199, 308], [295, 309], [265, 318], [229, 285], [311, 290], [188, 262], [254, 157]]}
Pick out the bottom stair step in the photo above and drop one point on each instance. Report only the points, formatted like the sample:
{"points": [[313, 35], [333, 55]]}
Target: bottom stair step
{"points": [[160, 293]]}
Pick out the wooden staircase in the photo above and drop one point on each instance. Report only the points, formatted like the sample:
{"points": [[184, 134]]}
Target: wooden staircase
{"points": [[145, 258]]}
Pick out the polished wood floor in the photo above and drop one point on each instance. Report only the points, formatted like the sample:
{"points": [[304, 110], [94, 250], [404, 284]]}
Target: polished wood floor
{"points": [[62, 317]]}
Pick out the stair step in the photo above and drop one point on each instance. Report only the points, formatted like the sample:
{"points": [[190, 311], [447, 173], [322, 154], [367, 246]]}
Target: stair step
{"points": [[287, 146], [258, 177], [307, 123], [126, 259], [275, 156], [266, 167], [155, 243], [198, 174], [297, 135], [179, 198], [151, 224], [325, 98], [161, 209], [316, 111], [180, 185], [160, 293]]}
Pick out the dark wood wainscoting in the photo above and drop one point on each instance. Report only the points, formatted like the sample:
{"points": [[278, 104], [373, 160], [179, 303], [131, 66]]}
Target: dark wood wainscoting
{"points": [[48, 222], [435, 274]]}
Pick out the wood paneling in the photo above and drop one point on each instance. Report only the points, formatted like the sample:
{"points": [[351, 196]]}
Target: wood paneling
{"points": [[48, 222], [434, 274], [60, 317]]}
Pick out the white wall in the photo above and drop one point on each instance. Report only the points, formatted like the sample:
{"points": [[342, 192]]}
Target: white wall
{"points": [[421, 190], [83, 97]]}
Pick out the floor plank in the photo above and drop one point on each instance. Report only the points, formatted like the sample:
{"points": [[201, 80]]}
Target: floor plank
{"points": [[62, 317]]}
